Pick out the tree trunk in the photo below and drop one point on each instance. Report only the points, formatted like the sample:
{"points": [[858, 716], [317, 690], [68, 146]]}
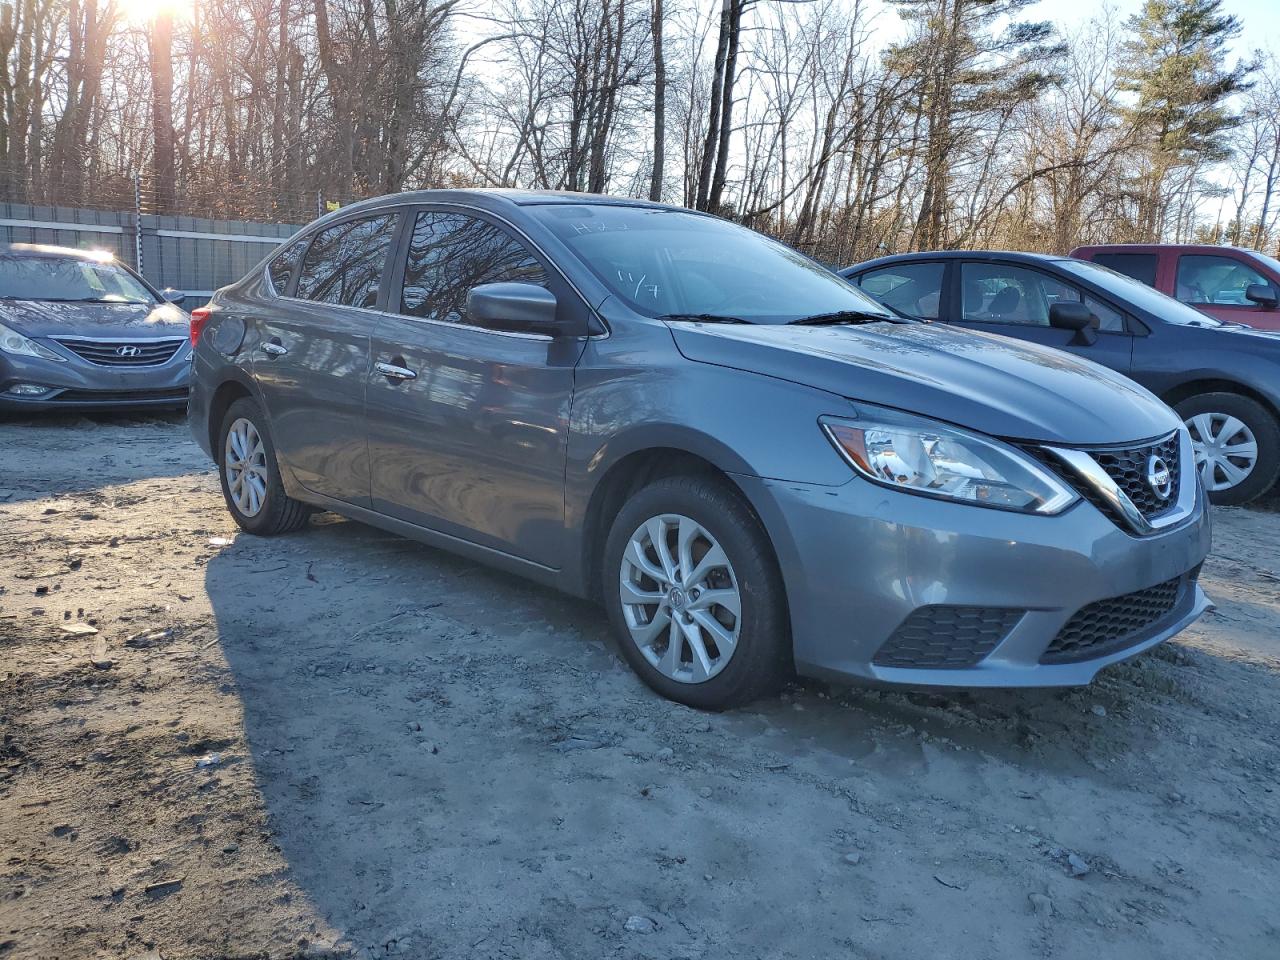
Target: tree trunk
{"points": [[659, 105], [165, 179]]}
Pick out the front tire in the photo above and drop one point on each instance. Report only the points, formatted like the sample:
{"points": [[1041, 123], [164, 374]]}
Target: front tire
{"points": [[250, 474], [694, 595], [1237, 445]]}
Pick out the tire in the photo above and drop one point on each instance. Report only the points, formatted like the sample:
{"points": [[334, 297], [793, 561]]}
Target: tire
{"points": [[1215, 413], [759, 660], [276, 512]]}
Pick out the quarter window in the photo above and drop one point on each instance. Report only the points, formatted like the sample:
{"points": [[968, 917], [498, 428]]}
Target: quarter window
{"points": [[449, 254], [280, 269], [1003, 293], [911, 288], [1207, 278], [345, 262]]}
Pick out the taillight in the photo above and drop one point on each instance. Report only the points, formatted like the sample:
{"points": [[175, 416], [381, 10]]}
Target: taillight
{"points": [[199, 317]]}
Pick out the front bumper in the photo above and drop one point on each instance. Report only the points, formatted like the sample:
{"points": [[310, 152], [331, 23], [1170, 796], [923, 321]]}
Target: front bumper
{"points": [[77, 384], [858, 560]]}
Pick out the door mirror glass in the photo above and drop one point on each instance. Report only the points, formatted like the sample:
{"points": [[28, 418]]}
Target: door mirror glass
{"points": [[172, 296], [522, 307], [1263, 294]]}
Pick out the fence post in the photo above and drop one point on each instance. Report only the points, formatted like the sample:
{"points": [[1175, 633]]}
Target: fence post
{"points": [[137, 221]]}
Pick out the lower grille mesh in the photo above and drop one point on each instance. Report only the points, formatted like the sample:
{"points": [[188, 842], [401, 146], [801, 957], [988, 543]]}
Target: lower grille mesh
{"points": [[944, 637], [1105, 626]]}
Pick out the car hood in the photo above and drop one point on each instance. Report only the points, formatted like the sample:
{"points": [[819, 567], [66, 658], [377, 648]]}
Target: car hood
{"points": [[1001, 387], [39, 318]]}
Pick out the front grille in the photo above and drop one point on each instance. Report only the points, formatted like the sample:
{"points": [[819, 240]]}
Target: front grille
{"points": [[946, 637], [1106, 626], [177, 395], [1127, 467], [137, 353]]}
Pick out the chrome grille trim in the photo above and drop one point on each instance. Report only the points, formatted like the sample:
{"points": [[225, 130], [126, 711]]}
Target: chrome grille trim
{"points": [[1085, 469], [103, 352]]}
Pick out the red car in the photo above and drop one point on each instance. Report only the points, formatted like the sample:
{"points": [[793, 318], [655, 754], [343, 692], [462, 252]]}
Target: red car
{"points": [[1225, 282]]}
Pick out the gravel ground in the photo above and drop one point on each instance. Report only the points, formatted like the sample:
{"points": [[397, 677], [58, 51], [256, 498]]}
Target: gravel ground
{"points": [[341, 743]]}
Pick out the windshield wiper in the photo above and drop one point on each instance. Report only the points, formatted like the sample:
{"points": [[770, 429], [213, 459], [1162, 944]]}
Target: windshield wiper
{"points": [[701, 318], [845, 316]]}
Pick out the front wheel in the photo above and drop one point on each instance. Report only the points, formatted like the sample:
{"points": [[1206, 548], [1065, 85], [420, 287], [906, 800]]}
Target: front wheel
{"points": [[694, 594], [1237, 445]]}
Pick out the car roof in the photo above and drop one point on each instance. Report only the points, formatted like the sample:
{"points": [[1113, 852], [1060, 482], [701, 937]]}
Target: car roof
{"points": [[496, 198], [1157, 247], [1012, 256]]}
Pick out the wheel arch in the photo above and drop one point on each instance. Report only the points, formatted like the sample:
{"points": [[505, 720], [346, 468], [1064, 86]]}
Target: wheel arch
{"points": [[626, 472], [228, 392], [1195, 388]]}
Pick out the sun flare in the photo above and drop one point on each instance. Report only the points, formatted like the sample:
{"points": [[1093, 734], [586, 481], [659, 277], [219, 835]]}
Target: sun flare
{"points": [[144, 11]]}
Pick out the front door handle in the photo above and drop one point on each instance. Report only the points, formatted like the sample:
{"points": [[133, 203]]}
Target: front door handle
{"points": [[274, 347], [393, 371]]}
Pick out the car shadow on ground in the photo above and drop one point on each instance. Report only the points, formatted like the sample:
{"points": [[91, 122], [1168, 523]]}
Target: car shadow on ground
{"points": [[448, 752]]}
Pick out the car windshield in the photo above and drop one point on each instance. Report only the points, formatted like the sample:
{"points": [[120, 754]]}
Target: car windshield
{"points": [[681, 265], [1139, 294], [69, 279]]}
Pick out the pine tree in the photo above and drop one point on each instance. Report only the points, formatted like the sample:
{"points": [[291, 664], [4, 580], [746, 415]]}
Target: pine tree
{"points": [[1175, 62], [972, 58]]}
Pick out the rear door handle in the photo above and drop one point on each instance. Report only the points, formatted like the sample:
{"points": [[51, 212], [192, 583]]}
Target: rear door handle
{"points": [[394, 371], [274, 347]]}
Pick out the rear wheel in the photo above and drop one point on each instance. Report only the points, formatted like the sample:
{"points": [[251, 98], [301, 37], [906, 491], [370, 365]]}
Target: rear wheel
{"points": [[1237, 445], [694, 594], [250, 476]]}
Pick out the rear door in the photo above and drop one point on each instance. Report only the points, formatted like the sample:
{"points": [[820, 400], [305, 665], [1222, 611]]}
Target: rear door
{"points": [[468, 435], [311, 356], [1014, 300]]}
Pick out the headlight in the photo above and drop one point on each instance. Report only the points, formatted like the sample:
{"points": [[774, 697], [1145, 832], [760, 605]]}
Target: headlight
{"points": [[11, 341], [930, 458]]}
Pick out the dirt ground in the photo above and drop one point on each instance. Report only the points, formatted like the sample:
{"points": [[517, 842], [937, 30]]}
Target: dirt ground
{"points": [[341, 743]]}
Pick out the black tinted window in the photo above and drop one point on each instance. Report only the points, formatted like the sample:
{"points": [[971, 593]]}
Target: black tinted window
{"points": [[281, 268], [344, 263], [912, 288], [449, 254], [1140, 266]]}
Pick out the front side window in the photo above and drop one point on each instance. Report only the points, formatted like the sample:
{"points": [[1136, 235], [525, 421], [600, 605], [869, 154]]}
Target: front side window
{"points": [[1003, 293], [69, 280], [449, 254], [345, 262], [1218, 280], [911, 288], [663, 262]]}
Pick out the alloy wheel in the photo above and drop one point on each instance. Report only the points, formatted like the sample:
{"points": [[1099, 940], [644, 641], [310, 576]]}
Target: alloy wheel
{"points": [[245, 463], [1225, 448], [680, 598]]}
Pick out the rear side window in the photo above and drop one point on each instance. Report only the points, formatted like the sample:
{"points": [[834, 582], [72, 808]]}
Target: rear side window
{"points": [[449, 254], [345, 262], [1139, 266], [280, 269], [912, 288]]}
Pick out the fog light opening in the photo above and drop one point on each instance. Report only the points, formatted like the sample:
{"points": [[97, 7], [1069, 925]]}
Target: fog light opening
{"points": [[27, 390]]}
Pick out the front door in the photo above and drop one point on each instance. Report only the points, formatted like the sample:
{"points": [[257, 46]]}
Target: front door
{"points": [[311, 358], [1014, 301], [468, 425]]}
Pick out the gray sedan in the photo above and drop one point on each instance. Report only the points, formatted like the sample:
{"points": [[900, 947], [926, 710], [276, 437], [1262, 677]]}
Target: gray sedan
{"points": [[80, 331], [754, 466]]}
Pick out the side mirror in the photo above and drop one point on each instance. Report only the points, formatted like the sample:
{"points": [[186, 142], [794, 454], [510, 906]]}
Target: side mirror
{"points": [[172, 296], [520, 307], [1263, 294], [1074, 315]]}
